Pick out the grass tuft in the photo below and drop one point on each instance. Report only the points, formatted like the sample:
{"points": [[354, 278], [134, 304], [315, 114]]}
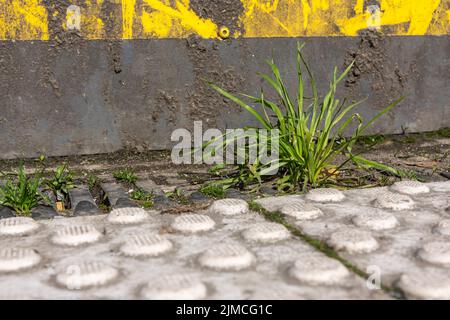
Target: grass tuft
{"points": [[143, 198], [125, 175], [61, 182], [313, 131], [213, 190], [22, 194]]}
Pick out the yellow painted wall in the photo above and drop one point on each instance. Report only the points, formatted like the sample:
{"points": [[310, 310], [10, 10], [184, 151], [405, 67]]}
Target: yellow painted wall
{"points": [[143, 19]]}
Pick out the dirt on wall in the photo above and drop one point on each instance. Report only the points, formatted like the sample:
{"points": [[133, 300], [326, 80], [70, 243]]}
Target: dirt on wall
{"points": [[203, 101], [372, 62]]}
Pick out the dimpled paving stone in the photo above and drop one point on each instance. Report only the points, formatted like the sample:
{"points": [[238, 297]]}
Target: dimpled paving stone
{"points": [[127, 215], [353, 241], [192, 223], [375, 219], [325, 195], [426, 284], [174, 287], [227, 256], [86, 274], [437, 252], [266, 232], [410, 187], [443, 227], [394, 201], [17, 226], [16, 259], [76, 235], [146, 245], [301, 211], [229, 207], [316, 269]]}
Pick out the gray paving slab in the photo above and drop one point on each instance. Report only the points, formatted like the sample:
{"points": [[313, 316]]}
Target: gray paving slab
{"points": [[268, 276], [397, 251], [114, 192]]}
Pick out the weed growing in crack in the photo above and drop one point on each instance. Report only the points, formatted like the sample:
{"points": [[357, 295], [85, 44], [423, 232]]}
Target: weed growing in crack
{"points": [[216, 191], [178, 196], [143, 198], [92, 182], [23, 193], [371, 140], [60, 183], [125, 175], [313, 131]]}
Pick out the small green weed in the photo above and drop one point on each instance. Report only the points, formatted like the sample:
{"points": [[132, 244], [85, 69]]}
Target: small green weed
{"points": [[61, 182], [213, 190], [178, 196], [144, 199], [22, 194], [312, 131], [125, 175]]}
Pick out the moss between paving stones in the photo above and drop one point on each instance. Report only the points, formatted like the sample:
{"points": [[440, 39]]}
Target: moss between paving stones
{"points": [[319, 245]]}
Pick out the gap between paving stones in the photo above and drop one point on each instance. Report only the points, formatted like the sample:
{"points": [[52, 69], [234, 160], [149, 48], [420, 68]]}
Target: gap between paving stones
{"points": [[321, 246]]}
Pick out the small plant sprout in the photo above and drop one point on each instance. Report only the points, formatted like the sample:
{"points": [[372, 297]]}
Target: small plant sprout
{"points": [[92, 181], [125, 175], [60, 184], [178, 196], [22, 194], [143, 198], [213, 190], [315, 131]]}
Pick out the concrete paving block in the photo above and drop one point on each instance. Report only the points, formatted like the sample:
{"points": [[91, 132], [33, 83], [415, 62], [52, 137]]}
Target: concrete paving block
{"points": [[114, 192]]}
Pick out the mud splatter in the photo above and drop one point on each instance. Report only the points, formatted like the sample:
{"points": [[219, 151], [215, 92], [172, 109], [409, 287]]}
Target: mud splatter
{"points": [[223, 13]]}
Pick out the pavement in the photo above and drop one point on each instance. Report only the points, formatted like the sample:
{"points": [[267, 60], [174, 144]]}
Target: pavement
{"points": [[378, 243]]}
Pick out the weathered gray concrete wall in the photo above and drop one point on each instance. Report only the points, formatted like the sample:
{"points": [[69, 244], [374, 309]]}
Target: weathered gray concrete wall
{"points": [[85, 97]]}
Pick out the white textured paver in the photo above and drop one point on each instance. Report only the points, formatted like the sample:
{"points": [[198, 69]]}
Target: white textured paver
{"points": [[16, 259], [227, 256], [426, 284], [319, 270], [403, 249], [132, 267], [410, 187], [325, 195], [301, 211], [437, 252], [192, 223], [146, 245], [76, 235], [444, 227], [17, 226], [229, 207], [235, 260], [394, 201], [86, 274], [266, 232], [375, 219], [127, 215], [175, 287]]}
